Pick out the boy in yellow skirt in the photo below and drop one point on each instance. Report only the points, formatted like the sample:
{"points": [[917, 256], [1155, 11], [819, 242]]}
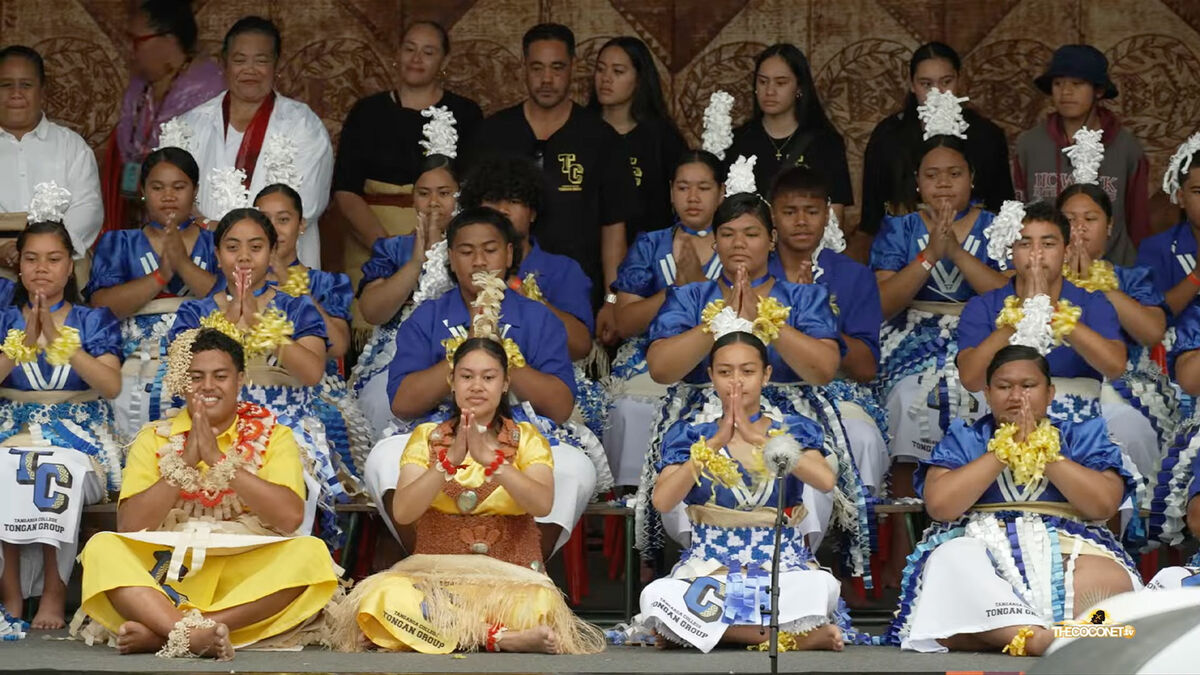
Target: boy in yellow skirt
{"points": [[222, 480]]}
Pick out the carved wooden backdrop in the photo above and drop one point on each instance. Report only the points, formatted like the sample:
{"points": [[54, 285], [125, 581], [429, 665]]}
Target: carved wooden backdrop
{"points": [[336, 51]]}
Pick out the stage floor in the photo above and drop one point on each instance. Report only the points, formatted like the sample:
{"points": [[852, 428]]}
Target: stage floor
{"points": [[36, 653]]}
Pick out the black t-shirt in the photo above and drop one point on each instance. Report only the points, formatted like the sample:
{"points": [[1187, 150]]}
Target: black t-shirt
{"points": [[654, 148], [893, 153], [588, 182], [381, 139], [825, 152]]}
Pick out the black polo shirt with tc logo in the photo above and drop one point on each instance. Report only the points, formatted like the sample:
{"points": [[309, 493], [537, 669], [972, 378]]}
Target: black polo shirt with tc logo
{"points": [[588, 183]]}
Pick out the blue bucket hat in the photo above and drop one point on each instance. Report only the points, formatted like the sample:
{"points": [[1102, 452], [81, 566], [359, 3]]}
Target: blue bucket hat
{"points": [[1083, 62]]}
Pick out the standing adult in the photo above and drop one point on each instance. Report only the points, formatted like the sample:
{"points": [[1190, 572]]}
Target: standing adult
{"points": [[379, 155], [590, 191], [169, 78], [1077, 81], [35, 150], [250, 122], [893, 153], [789, 126], [627, 93]]}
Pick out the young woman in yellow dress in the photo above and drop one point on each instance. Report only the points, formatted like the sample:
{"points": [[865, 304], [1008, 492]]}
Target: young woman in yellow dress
{"points": [[231, 471], [472, 486]]}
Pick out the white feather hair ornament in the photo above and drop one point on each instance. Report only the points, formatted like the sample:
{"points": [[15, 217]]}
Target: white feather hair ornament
{"points": [[782, 453], [1180, 164], [942, 114], [1086, 155], [1004, 231], [718, 124], [228, 190], [278, 160], [175, 133], [741, 176], [441, 138], [49, 203]]}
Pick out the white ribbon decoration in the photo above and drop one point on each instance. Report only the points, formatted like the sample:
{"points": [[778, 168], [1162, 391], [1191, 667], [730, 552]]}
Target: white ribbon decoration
{"points": [[441, 138], [1180, 163], [727, 321], [175, 133], [1034, 328], [718, 124], [1004, 231], [741, 176], [1086, 155], [49, 203], [942, 115], [228, 190], [279, 161]]}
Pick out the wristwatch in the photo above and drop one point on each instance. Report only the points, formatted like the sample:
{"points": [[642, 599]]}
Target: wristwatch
{"points": [[610, 299]]}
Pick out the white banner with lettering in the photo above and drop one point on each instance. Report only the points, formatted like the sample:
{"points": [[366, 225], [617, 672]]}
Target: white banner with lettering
{"points": [[42, 493]]}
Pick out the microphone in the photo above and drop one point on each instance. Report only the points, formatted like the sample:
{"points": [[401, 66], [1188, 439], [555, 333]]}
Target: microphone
{"points": [[781, 454]]}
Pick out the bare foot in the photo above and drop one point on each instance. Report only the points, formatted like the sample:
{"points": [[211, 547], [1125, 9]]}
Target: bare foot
{"points": [[51, 613], [539, 639], [822, 638], [135, 638], [212, 642], [1039, 642]]}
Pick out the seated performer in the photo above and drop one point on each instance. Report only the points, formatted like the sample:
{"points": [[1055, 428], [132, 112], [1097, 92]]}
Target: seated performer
{"points": [[809, 251], [1020, 543], [1172, 254], [1141, 406], [1172, 504], [284, 338], [658, 259], [470, 486], [713, 462], [483, 251], [406, 267], [797, 324], [228, 469], [60, 363], [143, 276]]}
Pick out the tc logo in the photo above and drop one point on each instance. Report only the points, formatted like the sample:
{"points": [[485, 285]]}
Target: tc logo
{"points": [[637, 172], [697, 602], [573, 170], [43, 478]]}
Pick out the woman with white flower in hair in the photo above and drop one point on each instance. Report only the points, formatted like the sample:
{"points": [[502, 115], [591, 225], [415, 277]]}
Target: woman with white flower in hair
{"points": [[285, 341], [60, 363], [406, 270], [1141, 406], [1020, 543], [252, 128], [795, 321], [143, 275], [928, 263], [484, 250], [714, 463]]}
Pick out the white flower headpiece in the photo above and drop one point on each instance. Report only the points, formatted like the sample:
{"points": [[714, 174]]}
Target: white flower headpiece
{"points": [[1033, 330], [1086, 155], [441, 138], [718, 124], [228, 190], [175, 133], [486, 323], [942, 115], [741, 176], [1180, 164], [832, 239], [435, 275], [727, 321], [1004, 231], [279, 161], [49, 203]]}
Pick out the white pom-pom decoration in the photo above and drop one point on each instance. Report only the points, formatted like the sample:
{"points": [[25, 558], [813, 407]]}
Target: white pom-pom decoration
{"points": [[175, 133], [441, 138], [1181, 163], [278, 160], [727, 321], [942, 115], [1004, 231], [1034, 328], [1086, 155], [741, 176], [782, 453], [49, 203], [228, 190], [718, 124]]}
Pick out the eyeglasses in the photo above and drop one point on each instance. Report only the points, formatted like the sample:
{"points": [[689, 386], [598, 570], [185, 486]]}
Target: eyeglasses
{"points": [[137, 40]]}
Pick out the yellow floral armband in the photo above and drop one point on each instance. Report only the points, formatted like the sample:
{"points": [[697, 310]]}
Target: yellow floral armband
{"points": [[1066, 317], [708, 462], [711, 310], [1101, 277], [530, 289], [219, 321], [14, 347], [1011, 315], [297, 282], [272, 331], [451, 345], [60, 351], [1027, 460], [772, 315], [515, 358]]}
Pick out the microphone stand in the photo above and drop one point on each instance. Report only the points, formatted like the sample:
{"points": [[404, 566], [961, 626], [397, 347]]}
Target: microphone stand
{"points": [[773, 646]]}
